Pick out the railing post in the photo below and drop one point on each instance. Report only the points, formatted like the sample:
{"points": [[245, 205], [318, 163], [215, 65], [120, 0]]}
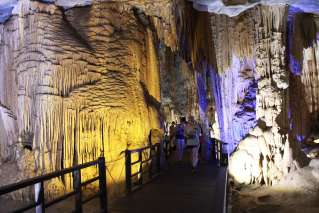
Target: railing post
{"points": [[169, 150], [102, 184], [219, 148], [77, 188], [158, 158], [224, 156], [140, 157], [213, 148], [39, 196], [164, 147], [221, 154], [150, 172], [128, 170]]}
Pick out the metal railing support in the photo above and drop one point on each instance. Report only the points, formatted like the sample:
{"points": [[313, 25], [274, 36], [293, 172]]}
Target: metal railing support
{"points": [[222, 158], [128, 170], [150, 173], [78, 190], [39, 196], [154, 159], [102, 184], [158, 157], [140, 158]]}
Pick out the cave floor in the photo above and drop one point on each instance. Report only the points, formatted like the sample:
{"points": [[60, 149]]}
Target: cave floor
{"points": [[262, 199], [178, 190]]}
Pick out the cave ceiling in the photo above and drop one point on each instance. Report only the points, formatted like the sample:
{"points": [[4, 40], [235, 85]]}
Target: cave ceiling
{"points": [[228, 7], [235, 7]]}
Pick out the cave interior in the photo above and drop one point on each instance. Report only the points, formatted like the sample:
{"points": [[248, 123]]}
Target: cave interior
{"points": [[87, 78]]}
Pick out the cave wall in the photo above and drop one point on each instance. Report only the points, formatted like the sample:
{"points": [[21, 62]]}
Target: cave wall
{"points": [[178, 87], [185, 81], [77, 84], [257, 36], [246, 65], [94, 80]]}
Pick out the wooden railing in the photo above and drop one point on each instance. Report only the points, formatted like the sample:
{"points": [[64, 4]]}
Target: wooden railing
{"points": [[40, 204], [148, 162]]}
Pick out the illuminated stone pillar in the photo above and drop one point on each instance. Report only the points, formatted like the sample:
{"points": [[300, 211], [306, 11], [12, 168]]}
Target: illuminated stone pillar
{"points": [[266, 154]]}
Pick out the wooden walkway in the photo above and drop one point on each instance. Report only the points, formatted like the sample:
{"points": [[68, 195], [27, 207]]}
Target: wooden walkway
{"points": [[178, 190]]}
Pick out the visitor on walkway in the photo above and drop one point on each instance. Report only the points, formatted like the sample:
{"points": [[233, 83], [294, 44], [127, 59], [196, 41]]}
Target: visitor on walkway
{"points": [[172, 135], [192, 132], [180, 138], [202, 151]]}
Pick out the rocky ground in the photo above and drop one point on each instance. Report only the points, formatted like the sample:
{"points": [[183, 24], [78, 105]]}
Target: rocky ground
{"points": [[272, 199], [297, 192], [311, 146]]}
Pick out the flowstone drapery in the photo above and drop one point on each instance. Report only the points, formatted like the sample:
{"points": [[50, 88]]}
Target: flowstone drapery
{"points": [[74, 86]]}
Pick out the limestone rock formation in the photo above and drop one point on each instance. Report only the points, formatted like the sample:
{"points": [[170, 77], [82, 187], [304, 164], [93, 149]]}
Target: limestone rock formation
{"points": [[74, 85], [84, 78], [281, 117]]}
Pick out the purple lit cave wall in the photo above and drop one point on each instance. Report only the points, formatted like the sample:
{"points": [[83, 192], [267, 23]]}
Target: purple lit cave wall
{"points": [[237, 94], [235, 97]]}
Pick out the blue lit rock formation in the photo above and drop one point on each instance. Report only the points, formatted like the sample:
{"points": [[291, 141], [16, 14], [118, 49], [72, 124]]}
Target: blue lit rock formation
{"points": [[265, 154], [235, 7], [235, 96]]}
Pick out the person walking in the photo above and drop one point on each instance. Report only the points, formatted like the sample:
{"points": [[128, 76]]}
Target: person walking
{"points": [[192, 132], [172, 135], [180, 138]]}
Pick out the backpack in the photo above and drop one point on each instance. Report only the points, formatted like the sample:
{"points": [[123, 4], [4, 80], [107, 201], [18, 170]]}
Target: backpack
{"points": [[192, 135], [179, 132], [191, 131]]}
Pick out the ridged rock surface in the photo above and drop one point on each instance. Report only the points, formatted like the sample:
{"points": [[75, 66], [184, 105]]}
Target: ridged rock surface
{"points": [[75, 85], [267, 154]]}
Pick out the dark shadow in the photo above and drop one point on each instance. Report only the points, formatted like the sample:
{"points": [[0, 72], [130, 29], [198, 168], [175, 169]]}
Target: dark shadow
{"points": [[149, 99], [78, 36]]}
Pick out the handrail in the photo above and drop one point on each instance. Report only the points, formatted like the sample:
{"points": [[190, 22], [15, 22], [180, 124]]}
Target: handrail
{"points": [[149, 165], [140, 149], [24, 183], [77, 185]]}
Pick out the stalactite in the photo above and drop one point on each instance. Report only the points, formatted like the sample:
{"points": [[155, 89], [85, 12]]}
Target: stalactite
{"points": [[196, 39], [235, 96], [232, 36], [303, 57], [178, 86]]}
